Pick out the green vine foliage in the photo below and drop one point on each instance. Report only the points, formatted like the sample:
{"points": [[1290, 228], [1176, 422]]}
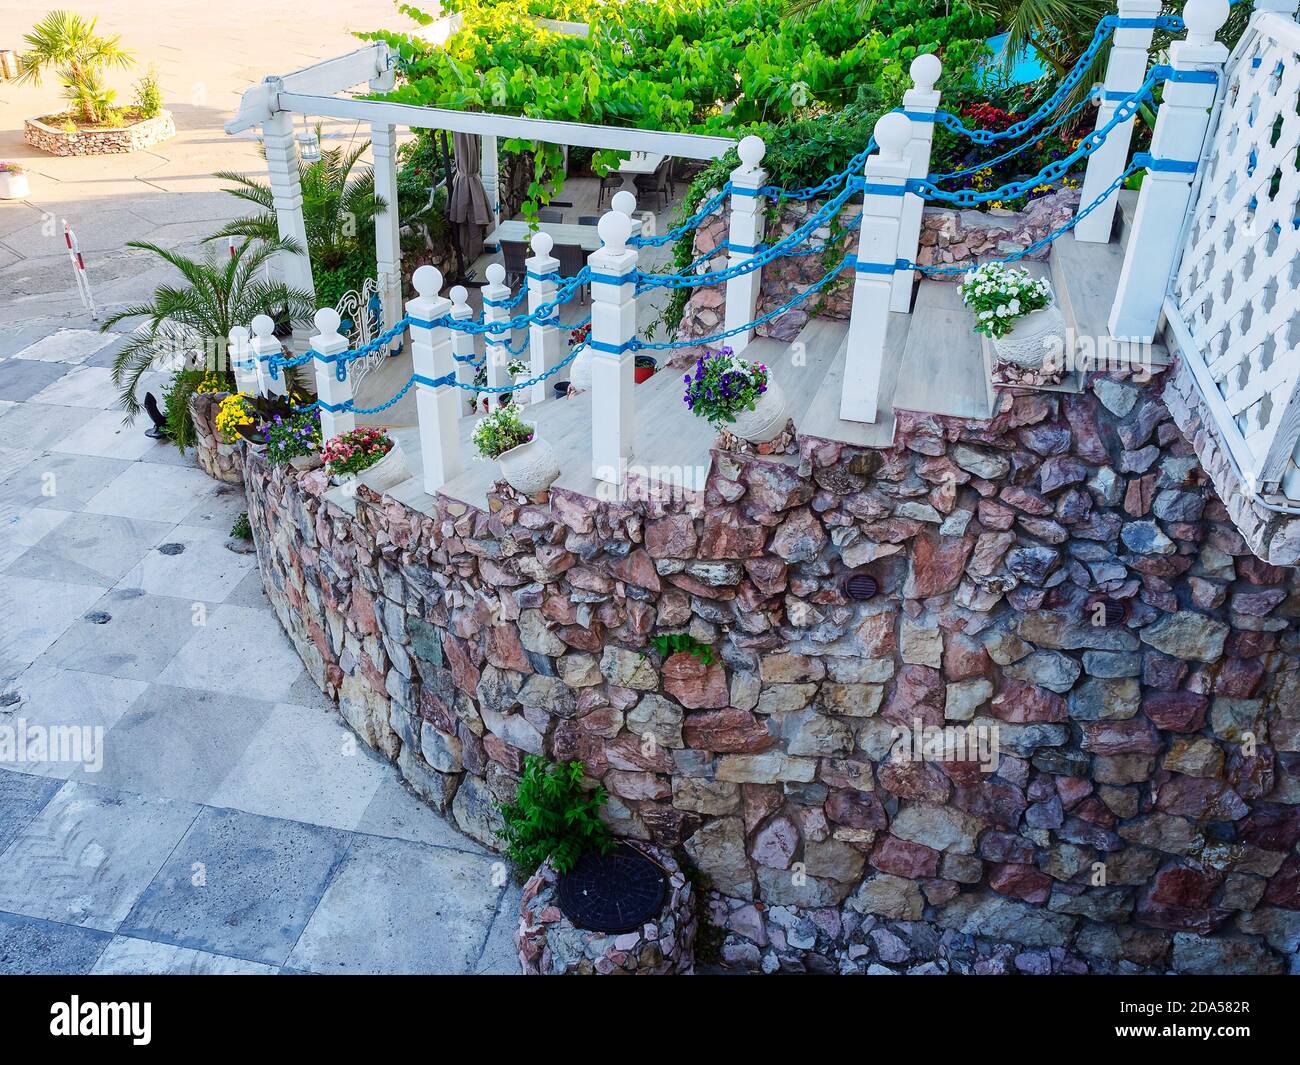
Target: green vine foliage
{"points": [[676, 642], [553, 817], [724, 67]]}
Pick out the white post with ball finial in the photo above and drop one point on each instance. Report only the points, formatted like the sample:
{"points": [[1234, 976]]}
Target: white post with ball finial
{"points": [[242, 362], [544, 340], [1176, 145], [464, 346], [437, 401], [334, 395], [613, 330], [266, 346], [887, 172], [1125, 71], [745, 239], [920, 102], [496, 294]]}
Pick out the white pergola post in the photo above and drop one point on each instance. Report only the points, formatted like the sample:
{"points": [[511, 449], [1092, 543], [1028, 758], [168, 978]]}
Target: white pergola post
{"points": [[489, 172], [1176, 151], [333, 390], [437, 404], [286, 195], [882, 207], [463, 345], [744, 239], [388, 239], [266, 346], [242, 361], [1125, 72], [496, 293], [544, 340], [613, 328], [922, 100]]}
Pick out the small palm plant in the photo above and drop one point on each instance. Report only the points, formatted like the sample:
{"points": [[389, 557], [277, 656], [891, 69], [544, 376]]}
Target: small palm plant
{"points": [[339, 204], [68, 43], [186, 327]]}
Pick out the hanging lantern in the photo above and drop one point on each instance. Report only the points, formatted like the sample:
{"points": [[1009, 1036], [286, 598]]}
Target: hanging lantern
{"points": [[308, 144]]}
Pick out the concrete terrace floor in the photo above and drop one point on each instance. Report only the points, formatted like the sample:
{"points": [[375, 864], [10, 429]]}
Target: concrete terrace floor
{"points": [[236, 824]]}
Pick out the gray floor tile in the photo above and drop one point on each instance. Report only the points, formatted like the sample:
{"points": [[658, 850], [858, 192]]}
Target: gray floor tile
{"points": [[106, 434], [61, 482], [21, 797], [32, 947], [190, 564], [92, 549], [25, 528], [219, 510], [39, 426], [500, 956], [396, 812], [240, 885], [90, 852], [153, 492], [125, 956], [141, 637], [366, 923], [234, 637], [249, 593], [178, 742], [40, 612], [21, 379], [306, 765]]}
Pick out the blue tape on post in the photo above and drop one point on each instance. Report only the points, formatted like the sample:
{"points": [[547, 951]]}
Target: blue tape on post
{"points": [[1137, 23], [919, 116], [745, 249], [740, 190], [873, 189], [611, 279], [1165, 166]]}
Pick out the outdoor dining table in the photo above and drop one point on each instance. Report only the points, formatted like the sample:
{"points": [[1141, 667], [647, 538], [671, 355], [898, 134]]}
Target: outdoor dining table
{"points": [[586, 237]]}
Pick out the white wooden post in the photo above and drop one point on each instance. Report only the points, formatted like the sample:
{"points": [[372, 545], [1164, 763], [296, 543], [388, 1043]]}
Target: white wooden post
{"points": [[1125, 72], [242, 361], [744, 239], [286, 196], [333, 396], [921, 99], [496, 293], [388, 240], [544, 340], [489, 172], [882, 206], [1162, 206], [266, 346], [464, 346], [613, 328], [438, 405]]}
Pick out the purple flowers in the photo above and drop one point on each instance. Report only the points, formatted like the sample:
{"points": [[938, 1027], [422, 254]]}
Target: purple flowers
{"points": [[723, 385]]}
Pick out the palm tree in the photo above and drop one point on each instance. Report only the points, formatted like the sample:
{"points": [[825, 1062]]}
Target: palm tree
{"points": [[69, 43], [338, 207], [187, 326]]}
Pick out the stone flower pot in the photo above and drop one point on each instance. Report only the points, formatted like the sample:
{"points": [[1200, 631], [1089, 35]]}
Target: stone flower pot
{"points": [[13, 185], [1032, 339], [530, 468], [388, 472], [580, 370], [768, 418]]}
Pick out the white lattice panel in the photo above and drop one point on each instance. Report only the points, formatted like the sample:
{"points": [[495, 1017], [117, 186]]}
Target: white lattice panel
{"points": [[1238, 284]]}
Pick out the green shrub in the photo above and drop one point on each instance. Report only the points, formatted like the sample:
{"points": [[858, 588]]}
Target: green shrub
{"points": [[148, 95], [552, 817], [677, 642], [242, 529], [176, 401]]}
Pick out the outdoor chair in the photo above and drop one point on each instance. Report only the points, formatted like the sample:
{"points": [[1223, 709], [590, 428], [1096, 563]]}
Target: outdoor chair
{"points": [[513, 255], [549, 215], [588, 219], [572, 260], [609, 185], [654, 185]]}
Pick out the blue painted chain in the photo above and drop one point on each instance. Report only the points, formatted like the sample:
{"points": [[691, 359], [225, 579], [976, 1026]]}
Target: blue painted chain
{"points": [[709, 207]]}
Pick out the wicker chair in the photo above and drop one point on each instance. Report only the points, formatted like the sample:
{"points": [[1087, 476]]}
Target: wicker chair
{"points": [[572, 260], [609, 185], [514, 253], [655, 185], [550, 215]]}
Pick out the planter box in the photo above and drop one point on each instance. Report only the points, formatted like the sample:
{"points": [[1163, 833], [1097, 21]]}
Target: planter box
{"points": [[13, 186], [118, 141]]}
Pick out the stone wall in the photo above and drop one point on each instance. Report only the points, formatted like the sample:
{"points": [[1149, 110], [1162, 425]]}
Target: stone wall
{"points": [[948, 238], [108, 141], [1142, 816], [215, 457]]}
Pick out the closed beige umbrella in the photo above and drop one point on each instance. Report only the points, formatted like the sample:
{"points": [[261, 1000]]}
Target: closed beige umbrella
{"points": [[467, 205]]}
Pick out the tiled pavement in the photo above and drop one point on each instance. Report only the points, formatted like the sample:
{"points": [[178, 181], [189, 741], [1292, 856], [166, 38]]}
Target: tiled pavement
{"points": [[235, 824]]}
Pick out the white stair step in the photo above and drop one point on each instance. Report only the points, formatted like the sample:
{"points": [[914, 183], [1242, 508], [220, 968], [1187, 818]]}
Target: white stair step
{"points": [[822, 420], [944, 369], [1128, 204]]}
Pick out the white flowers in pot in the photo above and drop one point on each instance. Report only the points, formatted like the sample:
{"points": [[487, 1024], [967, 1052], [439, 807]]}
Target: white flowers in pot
{"points": [[520, 373], [527, 461], [1018, 313]]}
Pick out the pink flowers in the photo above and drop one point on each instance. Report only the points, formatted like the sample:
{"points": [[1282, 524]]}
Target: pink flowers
{"points": [[355, 451]]}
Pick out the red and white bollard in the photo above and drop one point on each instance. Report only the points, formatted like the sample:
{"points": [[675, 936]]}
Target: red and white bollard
{"points": [[79, 269]]}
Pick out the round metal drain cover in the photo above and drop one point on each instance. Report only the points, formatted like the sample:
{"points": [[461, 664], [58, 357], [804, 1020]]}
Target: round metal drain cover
{"points": [[615, 892]]}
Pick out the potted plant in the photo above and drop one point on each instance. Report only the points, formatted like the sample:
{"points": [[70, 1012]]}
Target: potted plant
{"points": [[643, 368], [365, 449], [236, 417], [737, 395], [13, 182], [294, 440], [1018, 313], [519, 372], [527, 461]]}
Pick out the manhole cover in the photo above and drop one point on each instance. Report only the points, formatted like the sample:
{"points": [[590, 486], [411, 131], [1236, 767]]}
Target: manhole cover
{"points": [[614, 892], [171, 549]]}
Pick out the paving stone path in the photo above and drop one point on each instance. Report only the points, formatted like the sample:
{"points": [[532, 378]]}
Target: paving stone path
{"points": [[235, 823]]}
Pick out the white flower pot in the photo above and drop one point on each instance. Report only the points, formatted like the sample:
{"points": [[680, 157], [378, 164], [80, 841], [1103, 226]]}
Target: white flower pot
{"points": [[520, 396], [768, 418], [1033, 339], [13, 186], [387, 473], [530, 468], [580, 370]]}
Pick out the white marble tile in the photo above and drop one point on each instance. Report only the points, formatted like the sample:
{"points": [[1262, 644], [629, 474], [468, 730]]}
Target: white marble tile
{"points": [[72, 346], [153, 492], [125, 956], [86, 386], [25, 528], [105, 435], [202, 569], [238, 649], [36, 614]]}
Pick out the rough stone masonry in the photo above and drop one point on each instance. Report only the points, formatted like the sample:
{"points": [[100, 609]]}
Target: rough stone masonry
{"points": [[1145, 809]]}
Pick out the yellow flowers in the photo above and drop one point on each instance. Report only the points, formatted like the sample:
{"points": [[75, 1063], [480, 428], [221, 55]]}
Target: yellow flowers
{"points": [[235, 411], [212, 382]]}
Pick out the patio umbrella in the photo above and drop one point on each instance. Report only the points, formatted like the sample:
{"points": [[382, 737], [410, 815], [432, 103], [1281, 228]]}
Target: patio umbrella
{"points": [[467, 203]]}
